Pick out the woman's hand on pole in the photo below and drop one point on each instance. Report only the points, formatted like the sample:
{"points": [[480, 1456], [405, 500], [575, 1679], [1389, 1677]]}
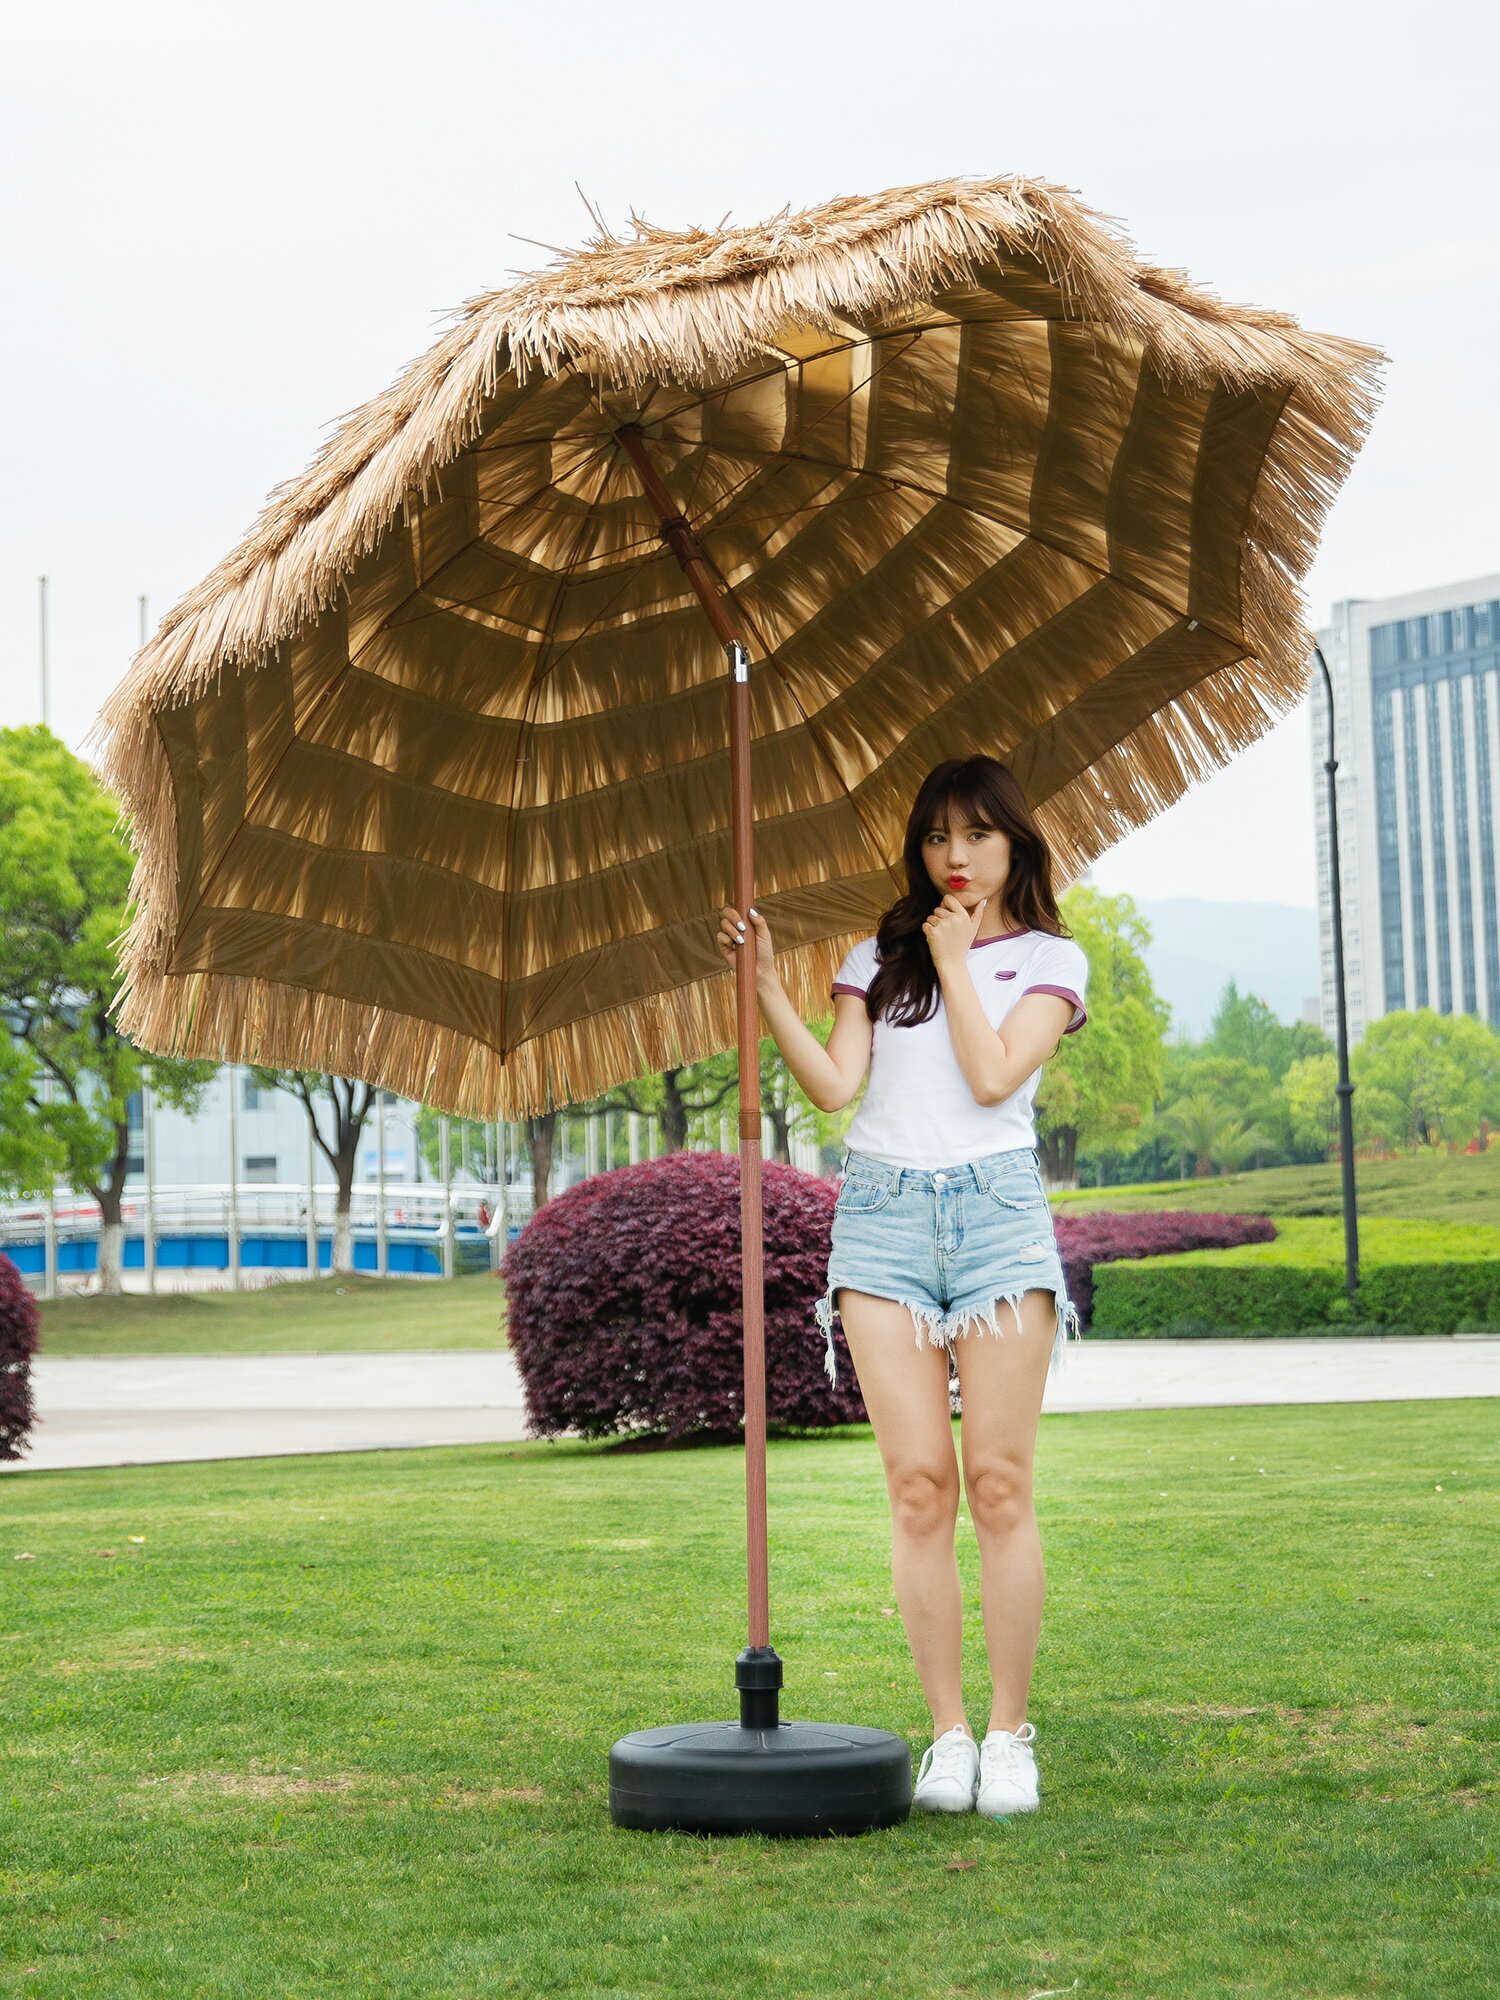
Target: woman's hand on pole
{"points": [[734, 935], [830, 1076], [950, 931]]}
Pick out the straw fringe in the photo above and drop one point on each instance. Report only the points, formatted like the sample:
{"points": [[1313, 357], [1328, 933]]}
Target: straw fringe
{"points": [[228, 1018], [695, 307]]}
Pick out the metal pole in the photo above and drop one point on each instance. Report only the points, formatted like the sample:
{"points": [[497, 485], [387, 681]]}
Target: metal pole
{"points": [[682, 542], [141, 621], [312, 1200], [382, 1243], [445, 1145], [41, 612], [148, 1161], [234, 1178], [1345, 1087]]}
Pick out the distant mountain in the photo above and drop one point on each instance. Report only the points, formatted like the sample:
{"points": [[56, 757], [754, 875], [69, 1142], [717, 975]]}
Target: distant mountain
{"points": [[1270, 949]]}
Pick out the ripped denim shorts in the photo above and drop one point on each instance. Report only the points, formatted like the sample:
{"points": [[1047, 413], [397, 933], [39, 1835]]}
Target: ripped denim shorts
{"points": [[950, 1244]]}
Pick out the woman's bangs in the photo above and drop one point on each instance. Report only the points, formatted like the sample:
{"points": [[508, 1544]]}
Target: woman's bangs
{"points": [[968, 805]]}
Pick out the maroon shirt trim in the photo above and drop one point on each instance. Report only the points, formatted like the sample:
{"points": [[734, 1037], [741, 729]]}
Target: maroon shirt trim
{"points": [[1080, 1014], [860, 990]]}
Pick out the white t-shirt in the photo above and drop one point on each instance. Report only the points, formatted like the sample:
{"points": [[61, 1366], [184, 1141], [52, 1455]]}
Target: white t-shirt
{"points": [[918, 1109]]}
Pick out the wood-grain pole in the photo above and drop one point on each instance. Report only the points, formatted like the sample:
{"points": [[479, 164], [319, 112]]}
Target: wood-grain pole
{"points": [[683, 543]]}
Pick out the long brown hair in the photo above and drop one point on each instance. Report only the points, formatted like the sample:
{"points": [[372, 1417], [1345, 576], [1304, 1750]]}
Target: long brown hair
{"points": [[976, 791]]}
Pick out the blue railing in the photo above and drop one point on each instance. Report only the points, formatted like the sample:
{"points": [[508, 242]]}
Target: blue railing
{"points": [[79, 1254]]}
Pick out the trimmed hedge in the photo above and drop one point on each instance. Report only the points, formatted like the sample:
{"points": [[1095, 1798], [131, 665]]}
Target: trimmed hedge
{"points": [[19, 1334], [1416, 1276], [1102, 1237], [1165, 1296], [1432, 1298], [623, 1296]]}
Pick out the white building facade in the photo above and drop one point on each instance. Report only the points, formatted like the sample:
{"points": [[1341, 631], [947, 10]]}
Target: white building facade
{"points": [[1417, 714]]}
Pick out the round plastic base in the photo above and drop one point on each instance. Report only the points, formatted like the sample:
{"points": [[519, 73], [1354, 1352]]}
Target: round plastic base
{"points": [[791, 1778]]}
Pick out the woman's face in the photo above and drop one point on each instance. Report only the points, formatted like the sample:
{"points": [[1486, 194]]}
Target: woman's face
{"points": [[968, 861]]}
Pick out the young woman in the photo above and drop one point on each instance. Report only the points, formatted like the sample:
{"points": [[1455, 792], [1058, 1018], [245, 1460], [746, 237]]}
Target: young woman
{"points": [[942, 1229]]}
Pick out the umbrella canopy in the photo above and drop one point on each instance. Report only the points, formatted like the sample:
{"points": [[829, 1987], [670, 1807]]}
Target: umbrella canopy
{"points": [[429, 779]]}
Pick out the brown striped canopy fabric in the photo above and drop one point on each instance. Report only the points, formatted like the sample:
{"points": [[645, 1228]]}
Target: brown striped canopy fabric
{"points": [[429, 779]]}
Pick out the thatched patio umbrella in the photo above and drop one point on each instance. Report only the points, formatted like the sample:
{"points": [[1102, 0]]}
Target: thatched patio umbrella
{"points": [[432, 779]]}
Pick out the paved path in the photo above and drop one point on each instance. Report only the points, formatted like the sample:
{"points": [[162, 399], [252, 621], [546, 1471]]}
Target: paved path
{"points": [[147, 1409], [137, 1410]]}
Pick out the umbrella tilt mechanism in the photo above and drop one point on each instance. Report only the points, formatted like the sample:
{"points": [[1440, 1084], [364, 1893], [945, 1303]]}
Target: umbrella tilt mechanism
{"points": [[759, 1774]]}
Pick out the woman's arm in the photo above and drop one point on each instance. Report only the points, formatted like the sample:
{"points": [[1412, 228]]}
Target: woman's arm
{"points": [[995, 1061], [830, 1076]]}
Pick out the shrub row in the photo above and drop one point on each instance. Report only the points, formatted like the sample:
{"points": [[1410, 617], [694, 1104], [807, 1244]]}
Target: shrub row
{"points": [[1104, 1237], [1141, 1300], [623, 1296]]}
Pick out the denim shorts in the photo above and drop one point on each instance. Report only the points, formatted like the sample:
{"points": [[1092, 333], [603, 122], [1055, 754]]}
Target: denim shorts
{"points": [[949, 1244]]}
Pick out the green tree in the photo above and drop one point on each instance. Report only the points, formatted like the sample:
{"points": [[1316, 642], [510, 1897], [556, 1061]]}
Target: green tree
{"points": [[1425, 1079], [676, 1097], [1098, 1090], [64, 879], [1246, 1030], [787, 1107], [1242, 1089], [1208, 1134], [1309, 1088], [337, 1109], [29, 1156]]}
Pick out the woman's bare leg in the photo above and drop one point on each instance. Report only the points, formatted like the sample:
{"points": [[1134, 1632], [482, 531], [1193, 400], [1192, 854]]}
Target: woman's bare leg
{"points": [[905, 1388], [1002, 1380]]}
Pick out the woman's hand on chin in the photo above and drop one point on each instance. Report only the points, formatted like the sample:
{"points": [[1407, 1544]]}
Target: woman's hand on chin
{"points": [[950, 931]]}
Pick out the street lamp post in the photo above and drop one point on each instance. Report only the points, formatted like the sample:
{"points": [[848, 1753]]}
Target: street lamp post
{"points": [[1341, 1000]]}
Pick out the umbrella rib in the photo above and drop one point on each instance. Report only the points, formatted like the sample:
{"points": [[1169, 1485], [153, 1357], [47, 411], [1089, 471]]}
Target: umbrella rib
{"points": [[337, 682], [426, 581], [587, 527], [768, 657], [894, 484]]}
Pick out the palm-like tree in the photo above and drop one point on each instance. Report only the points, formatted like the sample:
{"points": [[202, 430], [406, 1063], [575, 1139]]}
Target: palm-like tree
{"points": [[1208, 1134]]}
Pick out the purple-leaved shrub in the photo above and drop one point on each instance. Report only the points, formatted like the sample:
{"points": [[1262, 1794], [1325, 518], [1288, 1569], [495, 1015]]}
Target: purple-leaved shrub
{"points": [[624, 1302], [19, 1323], [1106, 1237]]}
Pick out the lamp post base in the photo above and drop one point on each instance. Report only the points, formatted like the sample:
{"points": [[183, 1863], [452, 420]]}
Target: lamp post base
{"points": [[760, 1775]]}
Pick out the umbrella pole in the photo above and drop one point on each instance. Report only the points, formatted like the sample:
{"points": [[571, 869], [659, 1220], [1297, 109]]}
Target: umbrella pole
{"points": [[759, 1676], [760, 1775]]}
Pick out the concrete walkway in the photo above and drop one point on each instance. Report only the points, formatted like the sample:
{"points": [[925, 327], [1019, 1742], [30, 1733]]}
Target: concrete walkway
{"points": [[148, 1409], [139, 1410]]}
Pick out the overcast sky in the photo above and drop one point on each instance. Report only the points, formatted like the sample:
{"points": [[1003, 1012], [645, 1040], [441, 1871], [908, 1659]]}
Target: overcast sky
{"points": [[230, 224]]}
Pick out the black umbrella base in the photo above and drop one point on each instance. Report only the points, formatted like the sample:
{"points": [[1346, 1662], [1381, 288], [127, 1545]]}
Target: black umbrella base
{"points": [[760, 1775]]}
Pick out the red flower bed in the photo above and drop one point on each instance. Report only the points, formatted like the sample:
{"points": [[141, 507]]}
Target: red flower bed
{"points": [[18, 1342], [1104, 1237], [624, 1302]]}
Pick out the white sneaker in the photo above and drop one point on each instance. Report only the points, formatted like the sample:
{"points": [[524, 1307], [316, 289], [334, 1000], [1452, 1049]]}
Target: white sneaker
{"points": [[948, 1774], [1008, 1781]]}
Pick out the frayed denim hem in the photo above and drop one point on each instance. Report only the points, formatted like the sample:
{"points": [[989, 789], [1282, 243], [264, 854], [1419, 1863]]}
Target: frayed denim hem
{"points": [[941, 1329]]}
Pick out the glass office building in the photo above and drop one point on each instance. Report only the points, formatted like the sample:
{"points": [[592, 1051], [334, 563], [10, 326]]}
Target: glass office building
{"points": [[1417, 708]]}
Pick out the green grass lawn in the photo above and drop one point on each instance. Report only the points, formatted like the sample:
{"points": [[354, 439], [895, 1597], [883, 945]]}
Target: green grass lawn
{"points": [[318, 1315], [337, 1726], [1319, 1239], [1465, 1188]]}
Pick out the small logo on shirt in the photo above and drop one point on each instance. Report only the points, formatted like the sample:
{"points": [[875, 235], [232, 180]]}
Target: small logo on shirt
{"points": [[1005, 975]]}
